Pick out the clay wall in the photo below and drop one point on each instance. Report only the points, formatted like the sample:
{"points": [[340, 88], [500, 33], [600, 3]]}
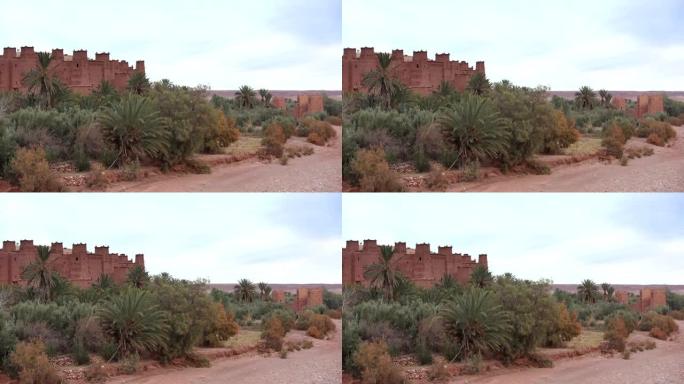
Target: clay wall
{"points": [[417, 72], [420, 265], [308, 104], [77, 71], [76, 264], [649, 104]]}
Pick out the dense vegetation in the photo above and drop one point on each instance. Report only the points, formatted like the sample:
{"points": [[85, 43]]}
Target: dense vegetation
{"points": [[152, 317], [159, 123], [493, 317], [498, 124]]}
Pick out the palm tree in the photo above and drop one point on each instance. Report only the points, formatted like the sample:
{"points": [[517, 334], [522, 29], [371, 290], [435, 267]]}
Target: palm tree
{"points": [[139, 83], [264, 291], [134, 322], [383, 274], [135, 129], [39, 274], [445, 89], [245, 97], [42, 81], [138, 277], [605, 97], [476, 322], [481, 277], [447, 282], [381, 81], [587, 291], [265, 97], [479, 84], [585, 98], [245, 290], [104, 282], [475, 129]]}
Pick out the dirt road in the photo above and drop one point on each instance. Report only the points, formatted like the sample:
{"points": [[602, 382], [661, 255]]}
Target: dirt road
{"points": [[321, 364], [320, 172], [663, 365], [662, 172]]}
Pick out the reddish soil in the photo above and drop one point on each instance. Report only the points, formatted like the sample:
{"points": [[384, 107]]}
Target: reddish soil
{"points": [[321, 364], [663, 365], [661, 172], [320, 172]]}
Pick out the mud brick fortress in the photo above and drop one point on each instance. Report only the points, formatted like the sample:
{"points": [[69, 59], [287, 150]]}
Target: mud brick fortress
{"points": [[649, 299], [77, 71], [417, 72], [76, 264], [645, 105], [419, 265], [306, 298]]}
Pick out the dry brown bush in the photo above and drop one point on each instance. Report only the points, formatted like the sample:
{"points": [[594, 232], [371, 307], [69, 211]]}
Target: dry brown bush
{"points": [[33, 172], [374, 173], [375, 364]]}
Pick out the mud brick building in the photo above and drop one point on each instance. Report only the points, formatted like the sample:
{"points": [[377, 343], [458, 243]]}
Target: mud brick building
{"points": [[649, 299], [76, 264], [306, 298], [420, 265], [649, 104], [306, 105], [417, 72], [79, 73]]}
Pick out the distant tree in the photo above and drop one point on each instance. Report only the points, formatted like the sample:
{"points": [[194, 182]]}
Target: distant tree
{"points": [[245, 291], [481, 277], [42, 82], [139, 83], [585, 98], [476, 323], [381, 80], [479, 84], [266, 97], [383, 274], [588, 291], [606, 98], [138, 277], [474, 128], [40, 276], [264, 291], [245, 97]]}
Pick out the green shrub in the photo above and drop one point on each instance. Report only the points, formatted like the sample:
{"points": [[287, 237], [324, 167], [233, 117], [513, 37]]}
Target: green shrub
{"points": [[130, 364], [80, 354]]}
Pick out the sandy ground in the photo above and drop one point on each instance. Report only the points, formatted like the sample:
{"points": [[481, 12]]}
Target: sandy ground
{"points": [[321, 364], [662, 172], [663, 365], [320, 172]]}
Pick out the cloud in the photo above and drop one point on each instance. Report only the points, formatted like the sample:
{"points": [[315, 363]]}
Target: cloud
{"points": [[273, 44], [223, 237], [612, 44], [562, 237]]}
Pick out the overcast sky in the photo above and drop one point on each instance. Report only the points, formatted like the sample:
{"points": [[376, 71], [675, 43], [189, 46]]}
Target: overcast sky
{"points": [[612, 44], [273, 44], [277, 238], [615, 238]]}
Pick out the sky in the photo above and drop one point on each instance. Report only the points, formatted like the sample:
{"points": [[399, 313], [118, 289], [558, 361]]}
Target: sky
{"points": [[276, 238], [614, 238], [272, 44], [610, 44]]}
